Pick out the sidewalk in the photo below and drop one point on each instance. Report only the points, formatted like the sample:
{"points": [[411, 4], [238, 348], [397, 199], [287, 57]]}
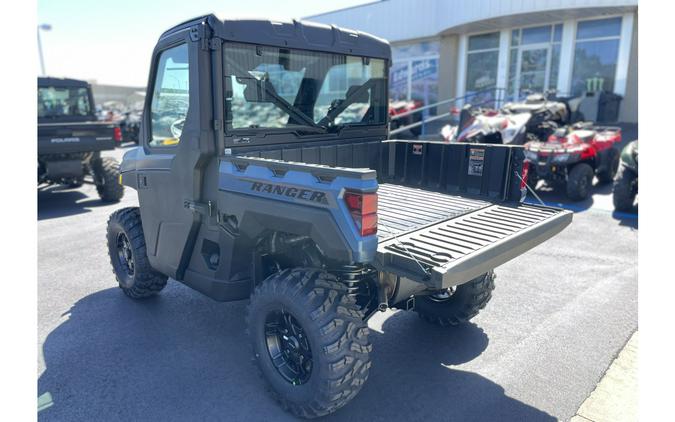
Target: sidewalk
{"points": [[615, 397]]}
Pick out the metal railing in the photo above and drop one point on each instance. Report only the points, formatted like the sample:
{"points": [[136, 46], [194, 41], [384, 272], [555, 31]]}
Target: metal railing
{"points": [[496, 100]]}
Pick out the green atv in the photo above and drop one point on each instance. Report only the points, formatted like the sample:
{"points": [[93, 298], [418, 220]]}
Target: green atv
{"points": [[626, 181]]}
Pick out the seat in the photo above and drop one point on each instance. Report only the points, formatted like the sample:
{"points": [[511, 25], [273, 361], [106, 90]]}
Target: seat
{"points": [[585, 135]]}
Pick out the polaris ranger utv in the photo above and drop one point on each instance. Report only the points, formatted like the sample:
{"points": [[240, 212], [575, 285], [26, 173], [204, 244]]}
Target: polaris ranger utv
{"points": [[70, 139], [264, 173]]}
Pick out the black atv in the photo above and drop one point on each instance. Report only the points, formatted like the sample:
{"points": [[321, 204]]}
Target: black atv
{"points": [[70, 139], [626, 181]]}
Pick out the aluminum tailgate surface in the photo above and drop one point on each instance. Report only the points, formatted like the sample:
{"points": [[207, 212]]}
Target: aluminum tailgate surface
{"points": [[402, 209], [458, 249]]}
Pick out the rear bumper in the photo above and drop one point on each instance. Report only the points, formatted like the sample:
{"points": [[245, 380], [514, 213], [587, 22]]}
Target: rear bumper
{"points": [[457, 250]]}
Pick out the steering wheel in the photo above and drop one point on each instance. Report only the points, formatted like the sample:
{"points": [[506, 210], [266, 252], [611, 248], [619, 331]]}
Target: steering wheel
{"points": [[177, 128]]}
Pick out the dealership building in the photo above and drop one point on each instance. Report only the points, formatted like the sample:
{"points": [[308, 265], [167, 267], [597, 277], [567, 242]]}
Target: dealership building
{"points": [[448, 49]]}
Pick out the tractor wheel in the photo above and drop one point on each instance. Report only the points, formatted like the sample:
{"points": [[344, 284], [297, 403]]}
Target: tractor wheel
{"points": [[106, 173], [309, 341], [607, 175], [126, 247], [623, 191], [457, 305], [532, 176], [580, 182]]}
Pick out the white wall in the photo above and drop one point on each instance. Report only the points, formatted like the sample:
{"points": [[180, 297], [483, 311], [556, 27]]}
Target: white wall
{"points": [[397, 20]]}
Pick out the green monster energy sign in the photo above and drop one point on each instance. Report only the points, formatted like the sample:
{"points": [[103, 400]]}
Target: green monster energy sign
{"points": [[594, 84]]}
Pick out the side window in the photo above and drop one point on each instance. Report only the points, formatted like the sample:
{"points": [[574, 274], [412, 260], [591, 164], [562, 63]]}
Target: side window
{"points": [[170, 98]]}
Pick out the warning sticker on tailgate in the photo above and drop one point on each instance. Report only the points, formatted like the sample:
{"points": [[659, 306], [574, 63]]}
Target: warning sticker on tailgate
{"points": [[476, 159]]}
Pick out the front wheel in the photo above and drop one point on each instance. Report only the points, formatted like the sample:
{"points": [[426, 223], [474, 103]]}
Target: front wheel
{"points": [[309, 341], [532, 176], [128, 256], [580, 182], [106, 172], [457, 305], [608, 174], [623, 191]]}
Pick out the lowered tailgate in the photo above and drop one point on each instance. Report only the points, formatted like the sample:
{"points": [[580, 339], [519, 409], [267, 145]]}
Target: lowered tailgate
{"points": [[460, 248]]}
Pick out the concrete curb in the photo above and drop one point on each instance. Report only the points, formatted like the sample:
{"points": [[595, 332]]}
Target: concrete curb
{"points": [[615, 398]]}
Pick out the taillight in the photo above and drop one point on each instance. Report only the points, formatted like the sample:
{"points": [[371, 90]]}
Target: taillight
{"points": [[117, 134], [363, 209], [524, 173]]}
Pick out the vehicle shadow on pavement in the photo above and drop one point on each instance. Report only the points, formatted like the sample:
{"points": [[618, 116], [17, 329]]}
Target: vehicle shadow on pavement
{"points": [[410, 378], [181, 356], [60, 201], [555, 196]]}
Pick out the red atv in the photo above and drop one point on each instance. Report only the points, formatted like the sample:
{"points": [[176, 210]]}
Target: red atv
{"points": [[574, 155], [402, 106]]}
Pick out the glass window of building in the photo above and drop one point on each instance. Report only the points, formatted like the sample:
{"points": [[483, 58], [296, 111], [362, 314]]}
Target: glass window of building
{"points": [[595, 55], [413, 75], [481, 67], [398, 81], [534, 59]]}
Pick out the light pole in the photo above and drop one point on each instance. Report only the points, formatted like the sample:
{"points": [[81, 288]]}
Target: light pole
{"points": [[44, 27]]}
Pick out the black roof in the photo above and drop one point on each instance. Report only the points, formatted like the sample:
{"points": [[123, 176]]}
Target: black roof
{"points": [[295, 34], [61, 82]]}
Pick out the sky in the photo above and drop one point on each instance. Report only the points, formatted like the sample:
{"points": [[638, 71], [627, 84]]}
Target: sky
{"points": [[111, 41]]}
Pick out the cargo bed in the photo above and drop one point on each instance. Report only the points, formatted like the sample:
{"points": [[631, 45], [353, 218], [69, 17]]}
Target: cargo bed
{"points": [[444, 240], [446, 212], [402, 209]]}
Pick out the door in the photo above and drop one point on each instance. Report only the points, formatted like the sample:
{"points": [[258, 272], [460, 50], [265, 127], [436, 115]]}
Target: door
{"points": [[533, 68], [170, 172]]}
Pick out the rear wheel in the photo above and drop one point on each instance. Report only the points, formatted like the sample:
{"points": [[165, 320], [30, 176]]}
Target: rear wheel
{"points": [[126, 248], [532, 176], [309, 341], [607, 175], [459, 304], [580, 182], [623, 191], [106, 173]]}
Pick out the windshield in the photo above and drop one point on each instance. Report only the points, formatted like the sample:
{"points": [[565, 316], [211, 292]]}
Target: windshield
{"points": [[63, 101], [269, 87]]}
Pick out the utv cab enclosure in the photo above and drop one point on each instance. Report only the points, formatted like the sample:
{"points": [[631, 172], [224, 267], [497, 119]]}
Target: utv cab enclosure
{"points": [[70, 138], [264, 172]]}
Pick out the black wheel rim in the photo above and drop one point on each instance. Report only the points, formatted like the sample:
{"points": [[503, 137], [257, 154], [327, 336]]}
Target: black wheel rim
{"points": [[124, 254], [444, 295], [288, 347]]}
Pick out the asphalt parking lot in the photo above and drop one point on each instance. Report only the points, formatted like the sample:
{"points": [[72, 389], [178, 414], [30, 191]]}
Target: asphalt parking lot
{"points": [[559, 316]]}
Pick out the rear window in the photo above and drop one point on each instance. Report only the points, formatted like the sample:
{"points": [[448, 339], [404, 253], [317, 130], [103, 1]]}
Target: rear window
{"points": [[63, 101]]}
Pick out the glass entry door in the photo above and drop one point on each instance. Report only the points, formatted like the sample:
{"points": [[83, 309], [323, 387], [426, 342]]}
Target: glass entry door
{"points": [[533, 68]]}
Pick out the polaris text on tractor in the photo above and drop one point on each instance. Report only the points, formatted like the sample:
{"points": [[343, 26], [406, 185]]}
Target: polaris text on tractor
{"points": [[573, 156], [264, 173]]}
